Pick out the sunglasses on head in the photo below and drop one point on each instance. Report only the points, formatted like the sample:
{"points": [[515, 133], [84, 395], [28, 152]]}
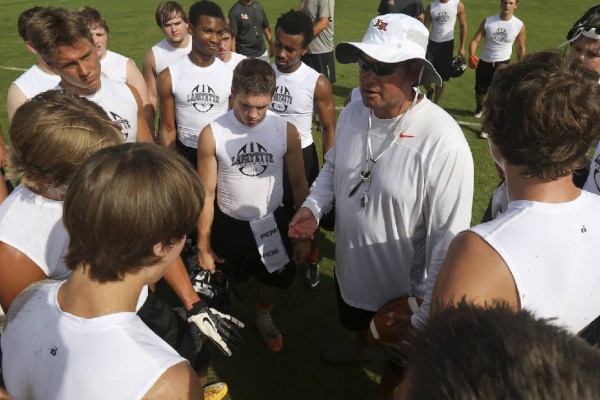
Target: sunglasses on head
{"points": [[380, 69]]}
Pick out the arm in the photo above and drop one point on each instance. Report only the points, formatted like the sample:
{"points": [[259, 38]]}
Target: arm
{"points": [[480, 34], [474, 271], [521, 44], [446, 212], [14, 100], [177, 278], [326, 110], [427, 20], [269, 37], [14, 280], [167, 131], [135, 78], [462, 23], [320, 25], [178, 382], [143, 133], [150, 78], [295, 167], [207, 170]]}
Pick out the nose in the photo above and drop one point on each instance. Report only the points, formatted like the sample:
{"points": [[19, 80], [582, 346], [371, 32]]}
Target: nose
{"points": [[83, 69]]}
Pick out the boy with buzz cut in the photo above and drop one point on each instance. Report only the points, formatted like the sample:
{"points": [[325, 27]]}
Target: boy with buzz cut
{"points": [[541, 253], [241, 158], [81, 338]]}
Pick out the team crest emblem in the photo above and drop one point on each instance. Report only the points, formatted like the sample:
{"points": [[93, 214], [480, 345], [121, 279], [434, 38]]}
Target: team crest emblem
{"points": [[379, 24], [252, 159], [244, 16], [124, 124], [281, 99], [500, 35], [203, 98]]}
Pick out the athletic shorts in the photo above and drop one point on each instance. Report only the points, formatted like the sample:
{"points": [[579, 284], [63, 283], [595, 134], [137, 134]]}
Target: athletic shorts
{"points": [[190, 153], [484, 74], [233, 240], [311, 171], [440, 56], [351, 318], [174, 330], [323, 63]]}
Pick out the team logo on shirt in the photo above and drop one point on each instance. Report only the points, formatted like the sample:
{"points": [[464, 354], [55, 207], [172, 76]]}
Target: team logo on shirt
{"points": [[244, 16], [252, 159], [124, 124], [500, 35], [203, 98], [281, 99], [442, 17]]}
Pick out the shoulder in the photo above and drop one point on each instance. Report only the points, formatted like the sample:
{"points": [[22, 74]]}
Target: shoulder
{"points": [[179, 381]]}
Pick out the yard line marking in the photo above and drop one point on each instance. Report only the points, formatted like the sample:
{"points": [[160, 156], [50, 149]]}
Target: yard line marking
{"points": [[13, 68]]}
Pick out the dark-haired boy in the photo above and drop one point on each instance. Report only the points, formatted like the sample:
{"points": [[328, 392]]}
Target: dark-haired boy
{"points": [[300, 92], [241, 158]]}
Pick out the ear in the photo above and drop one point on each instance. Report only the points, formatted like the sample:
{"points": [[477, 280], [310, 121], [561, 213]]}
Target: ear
{"points": [[30, 47], [159, 250], [304, 50]]}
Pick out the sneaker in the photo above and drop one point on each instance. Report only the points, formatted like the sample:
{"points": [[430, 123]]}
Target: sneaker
{"points": [[268, 331], [478, 112], [311, 275], [482, 135], [346, 354], [216, 391]]}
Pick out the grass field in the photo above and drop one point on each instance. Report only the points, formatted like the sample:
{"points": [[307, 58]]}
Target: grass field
{"points": [[308, 320]]}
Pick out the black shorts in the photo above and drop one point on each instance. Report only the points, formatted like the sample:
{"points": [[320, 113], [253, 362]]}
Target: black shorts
{"points": [[440, 56], [484, 74], [351, 318], [323, 63], [174, 330], [190, 153], [233, 240], [311, 171]]}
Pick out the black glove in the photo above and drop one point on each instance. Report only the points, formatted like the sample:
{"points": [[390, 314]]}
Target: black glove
{"points": [[221, 328]]}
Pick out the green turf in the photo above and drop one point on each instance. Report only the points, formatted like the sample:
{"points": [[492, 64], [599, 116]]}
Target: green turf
{"points": [[308, 320]]}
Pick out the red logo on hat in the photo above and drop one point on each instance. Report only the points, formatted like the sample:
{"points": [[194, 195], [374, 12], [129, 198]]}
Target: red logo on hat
{"points": [[379, 24]]}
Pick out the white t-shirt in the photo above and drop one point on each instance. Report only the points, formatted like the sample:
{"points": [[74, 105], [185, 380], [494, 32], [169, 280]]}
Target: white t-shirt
{"points": [[443, 18], [165, 54], [51, 354], [551, 251], [250, 165], [114, 66], [235, 59], [201, 95], [35, 81], [420, 197], [294, 99], [499, 38]]}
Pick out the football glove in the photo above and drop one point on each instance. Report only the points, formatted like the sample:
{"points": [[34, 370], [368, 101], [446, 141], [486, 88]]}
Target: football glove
{"points": [[473, 61], [221, 328]]}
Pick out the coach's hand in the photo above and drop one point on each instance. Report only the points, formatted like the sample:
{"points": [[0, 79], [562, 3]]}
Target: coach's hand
{"points": [[473, 61], [303, 225], [207, 259], [222, 329]]}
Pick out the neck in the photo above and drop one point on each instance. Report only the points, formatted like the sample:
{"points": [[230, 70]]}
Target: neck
{"points": [[246, 2], [227, 57], [520, 187], [50, 191], [85, 298], [201, 59], [393, 112], [41, 64], [290, 69], [506, 15], [179, 45], [79, 90]]}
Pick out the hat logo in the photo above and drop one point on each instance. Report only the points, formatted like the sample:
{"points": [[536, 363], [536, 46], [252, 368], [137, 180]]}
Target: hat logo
{"points": [[379, 24]]}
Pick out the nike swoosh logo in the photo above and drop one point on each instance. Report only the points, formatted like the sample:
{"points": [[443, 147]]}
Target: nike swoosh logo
{"points": [[405, 136], [207, 321]]}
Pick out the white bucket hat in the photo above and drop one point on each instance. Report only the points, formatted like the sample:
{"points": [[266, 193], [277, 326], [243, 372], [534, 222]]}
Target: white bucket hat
{"points": [[392, 38]]}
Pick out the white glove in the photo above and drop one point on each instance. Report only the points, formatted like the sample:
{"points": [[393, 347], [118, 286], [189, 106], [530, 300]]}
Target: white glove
{"points": [[221, 328]]}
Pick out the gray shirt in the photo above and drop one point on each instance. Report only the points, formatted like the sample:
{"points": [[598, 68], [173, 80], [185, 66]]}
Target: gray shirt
{"points": [[317, 9]]}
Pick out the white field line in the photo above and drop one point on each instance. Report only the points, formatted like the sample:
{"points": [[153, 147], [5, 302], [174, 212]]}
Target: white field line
{"points": [[12, 68]]}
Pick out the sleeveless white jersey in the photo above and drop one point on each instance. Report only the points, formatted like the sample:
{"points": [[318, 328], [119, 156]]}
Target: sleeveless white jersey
{"points": [[35, 81], [201, 94], [114, 66], [120, 106], [33, 225], [250, 165], [51, 354], [592, 184], [499, 38], [551, 251], [294, 99], [235, 59], [165, 54], [443, 18]]}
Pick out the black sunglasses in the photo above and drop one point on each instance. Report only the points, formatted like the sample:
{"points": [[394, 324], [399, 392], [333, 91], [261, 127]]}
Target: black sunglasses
{"points": [[380, 69]]}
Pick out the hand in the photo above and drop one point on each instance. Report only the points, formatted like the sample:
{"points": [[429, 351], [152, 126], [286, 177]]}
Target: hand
{"points": [[473, 61], [3, 154], [207, 260], [221, 328], [461, 52], [303, 225], [301, 251]]}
